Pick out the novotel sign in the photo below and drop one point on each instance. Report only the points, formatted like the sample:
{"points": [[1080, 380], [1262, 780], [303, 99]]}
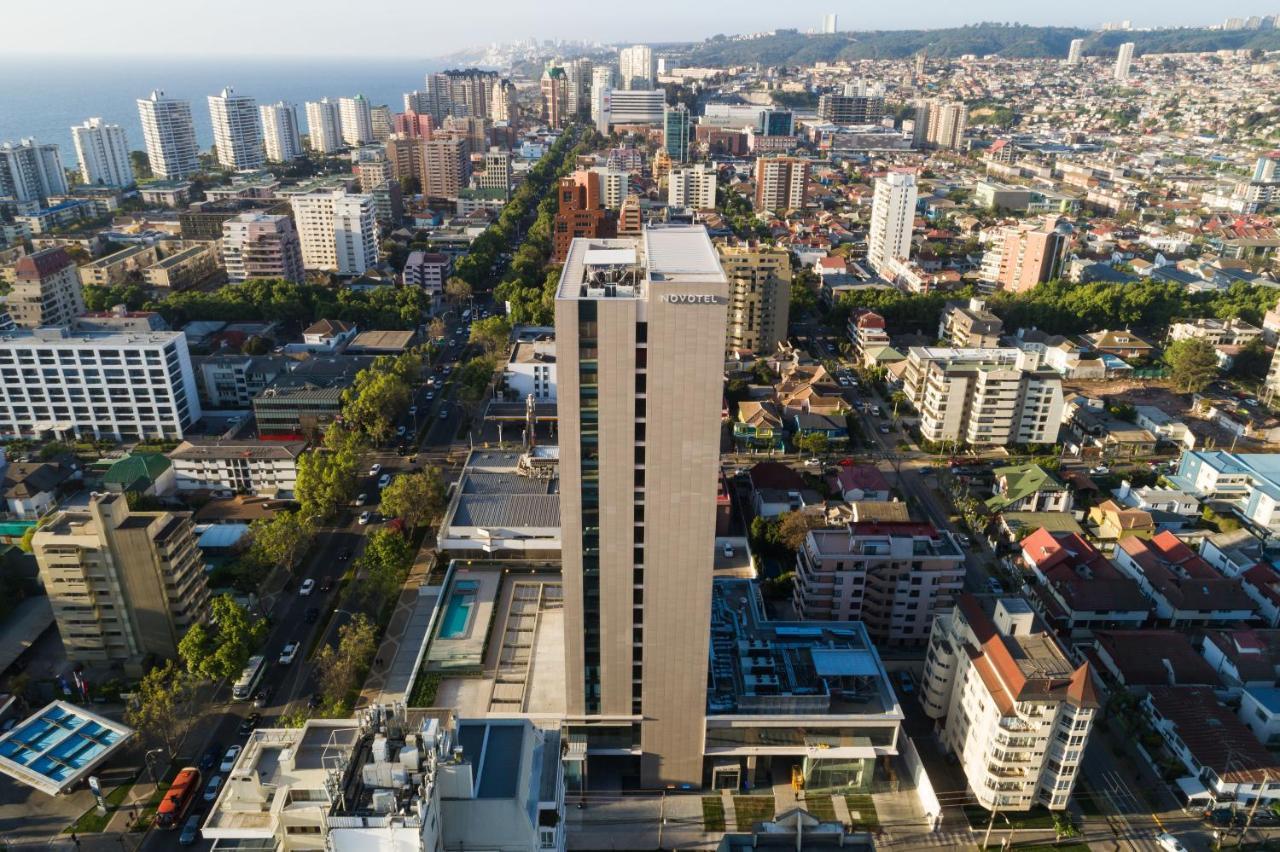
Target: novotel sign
{"points": [[691, 298]]}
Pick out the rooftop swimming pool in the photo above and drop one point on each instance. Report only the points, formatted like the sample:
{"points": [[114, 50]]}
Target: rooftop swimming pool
{"points": [[457, 613]]}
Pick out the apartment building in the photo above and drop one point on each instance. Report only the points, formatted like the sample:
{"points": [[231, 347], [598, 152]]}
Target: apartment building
{"points": [[759, 297], [103, 153], [1184, 589], [555, 97], [111, 385], [31, 172], [970, 326], [635, 67], [893, 213], [693, 187], [446, 167], [338, 231], [324, 126], [233, 380], [169, 136], [1124, 60], [581, 213], [1216, 332], [355, 118], [497, 175], [280, 132], [639, 334], [428, 270], [983, 397], [851, 109], [780, 183], [45, 290], [259, 245], [940, 124], [1022, 256], [124, 585], [268, 468], [895, 577], [1075, 52], [237, 130], [1008, 703]]}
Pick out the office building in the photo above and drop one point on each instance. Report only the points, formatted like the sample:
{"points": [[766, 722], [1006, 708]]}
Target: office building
{"points": [[447, 167], [675, 133], [983, 397], [1010, 704], [851, 108], [324, 126], [555, 97], [693, 187], [1124, 59], [759, 297], [338, 231], [237, 130], [777, 122], [124, 585], [1075, 53], [630, 219], [103, 153], [31, 172], [639, 331], [355, 116], [503, 105], [259, 245], [497, 174], [45, 290], [581, 213], [896, 577], [780, 183], [635, 68], [1022, 256], [940, 124], [169, 136], [280, 133], [636, 106], [893, 212], [829, 23], [266, 468]]}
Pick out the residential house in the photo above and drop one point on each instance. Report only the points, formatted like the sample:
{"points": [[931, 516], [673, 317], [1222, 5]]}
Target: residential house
{"points": [[1111, 522], [1164, 426], [1121, 344], [148, 474], [1243, 657], [1078, 590], [1182, 587], [1138, 659], [861, 483], [1028, 488], [777, 488], [31, 488], [1260, 710], [759, 426], [1232, 552]]}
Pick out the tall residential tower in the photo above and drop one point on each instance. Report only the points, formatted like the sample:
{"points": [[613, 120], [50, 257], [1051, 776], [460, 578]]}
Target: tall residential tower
{"points": [[103, 152], [169, 135], [237, 130]]}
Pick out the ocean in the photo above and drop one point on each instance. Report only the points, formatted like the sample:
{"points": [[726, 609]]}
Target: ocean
{"points": [[43, 98]]}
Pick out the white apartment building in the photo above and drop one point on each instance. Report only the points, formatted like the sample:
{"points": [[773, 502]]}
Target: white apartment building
{"points": [[1008, 703], [268, 468], [324, 126], [338, 231], [169, 136], [103, 153], [100, 385], [531, 370], [356, 118], [30, 171], [635, 67], [983, 397], [280, 133], [602, 81], [1075, 53], [893, 211], [635, 106], [613, 186], [1124, 59], [693, 186], [237, 130]]}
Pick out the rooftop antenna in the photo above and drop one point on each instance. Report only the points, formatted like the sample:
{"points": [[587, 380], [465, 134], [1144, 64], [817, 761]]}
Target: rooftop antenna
{"points": [[530, 422]]}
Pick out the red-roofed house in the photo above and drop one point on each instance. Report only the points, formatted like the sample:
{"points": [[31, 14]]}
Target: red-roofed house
{"points": [[1262, 583], [859, 482], [1182, 587], [1142, 658], [1079, 590]]}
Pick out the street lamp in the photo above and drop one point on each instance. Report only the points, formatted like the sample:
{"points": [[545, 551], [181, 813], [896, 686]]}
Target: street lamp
{"points": [[151, 767]]}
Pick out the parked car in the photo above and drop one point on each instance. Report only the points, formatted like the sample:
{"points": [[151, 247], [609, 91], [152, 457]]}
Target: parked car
{"points": [[250, 722], [813, 462], [326, 583], [905, 682], [400, 430], [728, 550], [375, 469], [384, 480], [308, 586], [211, 791], [413, 411], [1169, 843], [362, 499], [288, 654], [210, 757], [260, 700], [364, 518], [190, 830], [229, 759], [1100, 470], [995, 586]]}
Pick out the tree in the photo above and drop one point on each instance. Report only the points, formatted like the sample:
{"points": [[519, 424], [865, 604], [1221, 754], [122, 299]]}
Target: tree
{"points": [[220, 651], [282, 539], [457, 290], [814, 443], [160, 708], [416, 498], [327, 476], [1251, 362], [492, 334], [375, 408], [386, 561], [437, 329], [794, 526], [1193, 362], [342, 666]]}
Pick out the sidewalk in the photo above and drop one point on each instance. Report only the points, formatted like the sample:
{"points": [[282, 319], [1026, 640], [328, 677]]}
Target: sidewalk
{"points": [[392, 668]]}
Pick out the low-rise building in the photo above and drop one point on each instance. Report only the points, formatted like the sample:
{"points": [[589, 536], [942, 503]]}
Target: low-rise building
{"points": [[531, 370], [1182, 587], [505, 504], [184, 269], [1011, 706], [970, 326], [232, 381], [268, 468], [1028, 488], [1078, 590]]}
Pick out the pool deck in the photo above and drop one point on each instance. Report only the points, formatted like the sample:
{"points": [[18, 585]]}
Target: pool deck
{"points": [[466, 650]]}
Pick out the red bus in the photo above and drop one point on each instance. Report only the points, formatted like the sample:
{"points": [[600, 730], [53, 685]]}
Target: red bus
{"points": [[178, 798]]}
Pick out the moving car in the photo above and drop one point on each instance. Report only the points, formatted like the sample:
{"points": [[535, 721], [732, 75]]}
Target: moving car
{"points": [[260, 700], [384, 480], [229, 759], [326, 583], [400, 430], [375, 469], [364, 518], [362, 499], [210, 756], [413, 411], [444, 413], [288, 654], [1170, 843], [813, 462], [309, 585], [250, 722], [190, 831]]}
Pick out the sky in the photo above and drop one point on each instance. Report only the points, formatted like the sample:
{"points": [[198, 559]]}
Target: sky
{"points": [[426, 28]]}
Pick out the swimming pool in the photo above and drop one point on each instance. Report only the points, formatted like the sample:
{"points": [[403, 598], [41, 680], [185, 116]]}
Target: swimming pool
{"points": [[457, 613]]}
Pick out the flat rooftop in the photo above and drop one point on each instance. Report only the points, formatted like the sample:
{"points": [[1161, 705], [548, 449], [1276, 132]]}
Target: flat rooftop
{"points": [[619, 268], [58, 745], [505, 501]]}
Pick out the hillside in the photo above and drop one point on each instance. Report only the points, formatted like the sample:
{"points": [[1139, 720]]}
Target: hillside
{"points": [[1014, 41]]}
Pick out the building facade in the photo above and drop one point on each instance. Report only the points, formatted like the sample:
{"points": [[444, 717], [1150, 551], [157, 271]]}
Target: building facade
{"points": [[260, 245], [940, 124], [447, 165], [30, 171], [280, 133], [581, 213], [103, 153], [893, 213], [635, 68], [338, 231], [324, 126], [45, 291], [780, 183], [355, 116], [675, 133], [759, 297], [269, 468], [237, 130], [169, 136]]}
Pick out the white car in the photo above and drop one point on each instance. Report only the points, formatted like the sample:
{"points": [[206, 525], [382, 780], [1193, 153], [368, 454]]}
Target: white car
{"points": [[362, 499], [307, 587], [288, 653], [384, 480], [375, 469], [1168, 842], [364, 518], [813, 462], [1100, 470], [229, 759], [215, 784]]}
